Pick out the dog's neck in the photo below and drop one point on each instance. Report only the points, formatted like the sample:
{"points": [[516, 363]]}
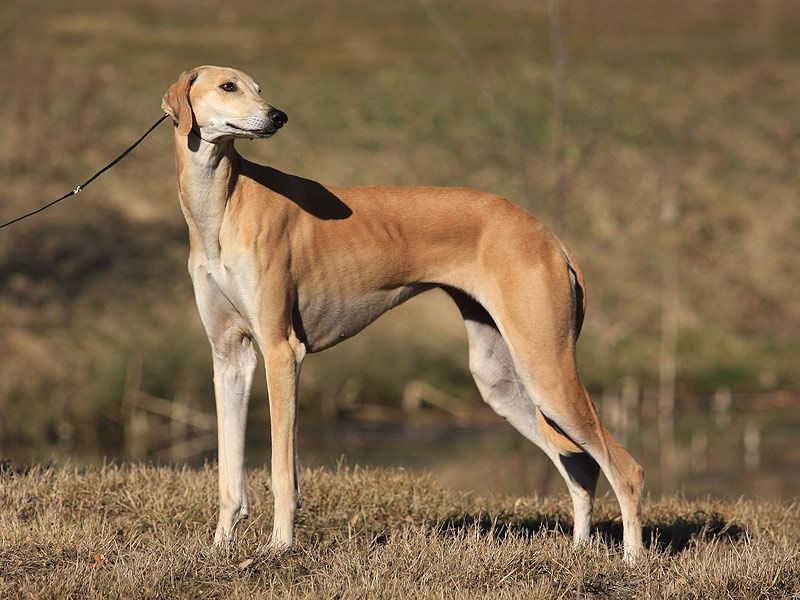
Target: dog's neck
{"points": [[204, 185]]}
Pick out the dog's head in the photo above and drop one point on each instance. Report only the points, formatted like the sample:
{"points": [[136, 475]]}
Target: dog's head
{"points": [[220, 103]]}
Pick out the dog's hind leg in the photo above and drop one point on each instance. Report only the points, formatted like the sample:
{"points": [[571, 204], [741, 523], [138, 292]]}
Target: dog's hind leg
{"points": [[536, 317], [498, 383]]}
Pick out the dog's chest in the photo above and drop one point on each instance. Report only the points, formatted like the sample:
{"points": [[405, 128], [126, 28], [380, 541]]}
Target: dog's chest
{"points": [[236, 281]]}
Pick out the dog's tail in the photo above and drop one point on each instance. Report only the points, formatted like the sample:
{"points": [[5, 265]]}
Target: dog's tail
{"points": [[578, 288]]}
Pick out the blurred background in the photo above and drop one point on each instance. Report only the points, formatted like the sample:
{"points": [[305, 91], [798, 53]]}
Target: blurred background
{"points": [[659, 140]]}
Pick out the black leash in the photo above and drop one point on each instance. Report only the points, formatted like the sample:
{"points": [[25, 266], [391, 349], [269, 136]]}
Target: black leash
{"points": [[83, 186]]}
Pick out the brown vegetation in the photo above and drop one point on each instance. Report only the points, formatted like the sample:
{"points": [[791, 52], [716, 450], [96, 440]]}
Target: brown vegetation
{"points": [[145, 532], [671, 169]]}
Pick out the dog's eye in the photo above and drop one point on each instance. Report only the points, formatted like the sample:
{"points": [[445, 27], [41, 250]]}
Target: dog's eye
{"points": [[228, 86]]}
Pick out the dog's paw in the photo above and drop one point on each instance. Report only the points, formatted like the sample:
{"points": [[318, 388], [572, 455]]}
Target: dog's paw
{"points": [[632, 556], [274, 548], [222, 538]]}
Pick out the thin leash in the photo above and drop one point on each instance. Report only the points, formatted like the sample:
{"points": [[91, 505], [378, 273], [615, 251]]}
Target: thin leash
{"points": [[84, 185]]}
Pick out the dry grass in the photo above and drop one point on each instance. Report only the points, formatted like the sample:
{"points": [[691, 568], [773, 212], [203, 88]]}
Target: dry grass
{"points": [[144, 532]]}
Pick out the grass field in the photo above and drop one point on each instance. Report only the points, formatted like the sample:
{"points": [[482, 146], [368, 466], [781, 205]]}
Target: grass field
{"points": [[665, 102], [144, 532]]}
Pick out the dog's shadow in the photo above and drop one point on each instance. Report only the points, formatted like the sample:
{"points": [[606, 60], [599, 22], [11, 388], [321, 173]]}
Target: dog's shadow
{"points": [[310, 196], [670, 536]]}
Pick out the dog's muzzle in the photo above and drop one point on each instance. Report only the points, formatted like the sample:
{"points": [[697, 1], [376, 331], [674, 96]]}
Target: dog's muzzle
{"points": [[277, 117], [267, 125]]}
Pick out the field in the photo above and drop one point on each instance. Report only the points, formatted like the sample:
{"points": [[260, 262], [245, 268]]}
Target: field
{"points": [[659, 140], [145, 531], [683, 105]]}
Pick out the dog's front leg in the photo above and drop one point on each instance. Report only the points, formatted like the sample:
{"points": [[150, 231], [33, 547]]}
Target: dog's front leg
{"points": [[234, 364], [235, 361], [283, 360]]}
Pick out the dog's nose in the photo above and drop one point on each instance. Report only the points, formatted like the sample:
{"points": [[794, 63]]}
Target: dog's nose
{"points": [[277, 117]]}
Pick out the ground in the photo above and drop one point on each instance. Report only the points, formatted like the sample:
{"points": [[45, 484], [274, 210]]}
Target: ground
{"points": [[140, 531]]}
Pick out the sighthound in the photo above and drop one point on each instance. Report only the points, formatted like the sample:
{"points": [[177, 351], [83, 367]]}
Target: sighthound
{"points": [[292, 266]]}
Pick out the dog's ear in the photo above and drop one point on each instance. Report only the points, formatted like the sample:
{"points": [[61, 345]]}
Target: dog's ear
{"points": [[176, 102]]}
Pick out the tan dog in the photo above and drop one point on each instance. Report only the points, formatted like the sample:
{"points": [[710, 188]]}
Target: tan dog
{"points": [[292, 266]]}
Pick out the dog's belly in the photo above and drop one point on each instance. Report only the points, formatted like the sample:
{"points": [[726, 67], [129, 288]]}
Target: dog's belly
{"points": [[321, 323]]}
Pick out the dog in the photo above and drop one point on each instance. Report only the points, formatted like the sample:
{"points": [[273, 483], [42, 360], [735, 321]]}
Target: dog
{"points": [[291, 266]]}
